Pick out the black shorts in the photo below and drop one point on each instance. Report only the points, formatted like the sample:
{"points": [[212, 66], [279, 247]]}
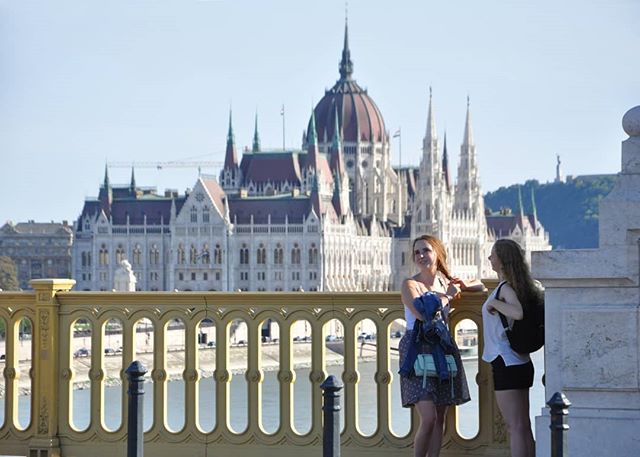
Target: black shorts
{"points": [[513, 376]]}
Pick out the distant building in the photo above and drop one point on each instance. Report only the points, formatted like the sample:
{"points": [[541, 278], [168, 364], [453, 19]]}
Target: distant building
{"points": [[333, 215], [523, 228], [39, 249]]}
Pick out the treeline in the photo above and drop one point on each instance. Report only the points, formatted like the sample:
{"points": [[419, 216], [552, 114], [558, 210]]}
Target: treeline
{"points": [[568, 211]]}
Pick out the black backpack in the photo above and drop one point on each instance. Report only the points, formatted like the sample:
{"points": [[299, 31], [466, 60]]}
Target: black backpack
{"points": [[527, 334]]}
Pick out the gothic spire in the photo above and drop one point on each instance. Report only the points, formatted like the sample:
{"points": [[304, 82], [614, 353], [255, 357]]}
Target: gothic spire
{"points": [[445, 163], [312, 144], [107, 185], [534, 209], [468, 133], [256, 138], [132, 186], [336, 145], [431, 121], [346, 65], [520, 206], [230, 157]]}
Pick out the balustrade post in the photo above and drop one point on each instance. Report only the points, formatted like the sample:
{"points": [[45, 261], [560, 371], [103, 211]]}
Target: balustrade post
{"points": [[135, 435], [559, 405], [45, 364], [331, 406]]}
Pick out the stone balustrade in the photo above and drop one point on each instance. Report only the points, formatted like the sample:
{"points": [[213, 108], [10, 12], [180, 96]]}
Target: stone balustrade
{"points": [[54, 309]]}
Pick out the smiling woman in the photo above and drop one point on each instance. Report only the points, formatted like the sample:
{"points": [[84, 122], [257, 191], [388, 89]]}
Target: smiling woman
{"points": [[427, 297]]}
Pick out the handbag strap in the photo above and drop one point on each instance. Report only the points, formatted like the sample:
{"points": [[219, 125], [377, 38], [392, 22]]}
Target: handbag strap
{"points": [[503, 319]]}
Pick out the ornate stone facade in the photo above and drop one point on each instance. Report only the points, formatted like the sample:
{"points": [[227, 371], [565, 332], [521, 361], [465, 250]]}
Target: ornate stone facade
{"points": [[333, 215]]}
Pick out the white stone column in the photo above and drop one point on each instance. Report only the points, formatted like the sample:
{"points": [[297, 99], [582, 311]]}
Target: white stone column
{"points": [[592, 322]]}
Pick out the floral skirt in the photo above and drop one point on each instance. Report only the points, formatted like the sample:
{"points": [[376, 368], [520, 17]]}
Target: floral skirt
{"points": [[441, 393]]}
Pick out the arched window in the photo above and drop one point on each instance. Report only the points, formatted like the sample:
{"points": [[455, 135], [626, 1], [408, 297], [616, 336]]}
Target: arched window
{"points": [[181, 255], [295, 254], [313, 254], [137, 255], [261, 255], [194, 214], [154, 255], [84, 259], [103, 255], [244, 254], [120, 254], [206, 258], [278, 255], [205, 214], [217, 255]]}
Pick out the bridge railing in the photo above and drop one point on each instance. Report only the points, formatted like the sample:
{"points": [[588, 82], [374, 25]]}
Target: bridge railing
{"points": [[237, 326]]}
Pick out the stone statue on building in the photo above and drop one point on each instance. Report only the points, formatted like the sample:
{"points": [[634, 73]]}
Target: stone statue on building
{"points": [[124, 279]]}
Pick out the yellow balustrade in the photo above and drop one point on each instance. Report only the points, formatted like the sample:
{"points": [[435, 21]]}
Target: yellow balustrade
{"points": [[53, 309]]}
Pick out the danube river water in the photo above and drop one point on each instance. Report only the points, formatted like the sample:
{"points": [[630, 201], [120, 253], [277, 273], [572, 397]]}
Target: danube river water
{"points": [[400, 417]]}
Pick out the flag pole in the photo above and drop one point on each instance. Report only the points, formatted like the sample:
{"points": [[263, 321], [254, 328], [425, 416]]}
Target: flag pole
{"points": [[398, 135]]}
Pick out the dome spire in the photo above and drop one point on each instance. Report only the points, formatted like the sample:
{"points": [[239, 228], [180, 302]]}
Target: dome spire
{"points": [[346, 65], [256, 138], [445, 163], [132, 185]]}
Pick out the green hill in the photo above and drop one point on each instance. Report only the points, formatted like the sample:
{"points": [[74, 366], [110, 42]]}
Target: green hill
{"points": [[568, 211]]}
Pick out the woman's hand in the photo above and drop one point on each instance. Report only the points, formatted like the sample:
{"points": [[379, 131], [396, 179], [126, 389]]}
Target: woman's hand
{"points": [[453, 290], [491, 309]]}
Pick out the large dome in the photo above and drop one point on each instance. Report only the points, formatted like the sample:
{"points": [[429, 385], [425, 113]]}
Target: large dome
{"points": [[357, 112]]}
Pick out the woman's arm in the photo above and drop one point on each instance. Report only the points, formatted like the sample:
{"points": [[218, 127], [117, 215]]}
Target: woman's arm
{"points": [[509, 305], [471, 285], [410, 293]]}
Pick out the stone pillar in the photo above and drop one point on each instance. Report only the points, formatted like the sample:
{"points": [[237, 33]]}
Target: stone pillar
{"points": [[45, 357], [124, 280], [592, 322]]}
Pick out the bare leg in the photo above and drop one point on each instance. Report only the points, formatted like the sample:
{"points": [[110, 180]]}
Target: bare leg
{"points": [[438, 430], [428, 413], [514, 406]]}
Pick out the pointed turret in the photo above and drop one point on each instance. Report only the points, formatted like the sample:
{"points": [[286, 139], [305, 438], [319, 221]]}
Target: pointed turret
{"points": [[313, 154], [346, 65], [445, 164], [534, 210], [337, 162], [316, 202], [468, 132], [256, 138], [430, 134], [132, 185], [106, 193], [230, 157], [107, 184], [520, 206]]}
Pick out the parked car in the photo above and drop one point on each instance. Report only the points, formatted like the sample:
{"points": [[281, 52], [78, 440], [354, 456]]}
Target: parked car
{"points": [[331, 338], [110, 351], [211, 344], [3, 357], [82, 352]]}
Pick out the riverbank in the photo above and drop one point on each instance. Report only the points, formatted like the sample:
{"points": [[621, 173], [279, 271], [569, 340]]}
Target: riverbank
{"points": [[175, 363]]}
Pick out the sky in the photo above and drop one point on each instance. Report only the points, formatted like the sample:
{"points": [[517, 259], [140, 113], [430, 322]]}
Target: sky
{"points": [[84, 83]]}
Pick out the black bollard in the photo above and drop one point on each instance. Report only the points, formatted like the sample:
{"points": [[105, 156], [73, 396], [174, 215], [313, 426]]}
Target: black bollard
{"points": [[135, 438], [331, 407], [559, 411]]}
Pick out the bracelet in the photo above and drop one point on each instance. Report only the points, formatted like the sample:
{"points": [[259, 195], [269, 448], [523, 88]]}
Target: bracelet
{"points": [[449, 297]]}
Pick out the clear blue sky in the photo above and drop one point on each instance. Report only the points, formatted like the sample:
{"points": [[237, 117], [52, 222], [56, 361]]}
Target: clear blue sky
{"points": [[83, 82]]}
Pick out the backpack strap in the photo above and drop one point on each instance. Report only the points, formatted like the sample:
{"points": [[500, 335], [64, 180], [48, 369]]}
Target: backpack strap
{"points": [[503, 319]]}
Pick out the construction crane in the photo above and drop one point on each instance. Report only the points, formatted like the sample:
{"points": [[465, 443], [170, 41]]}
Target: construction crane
{"points": [[170, 164]]}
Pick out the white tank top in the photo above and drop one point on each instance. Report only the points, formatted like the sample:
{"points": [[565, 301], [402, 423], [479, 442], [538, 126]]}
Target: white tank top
{"points": [[495, 339]]}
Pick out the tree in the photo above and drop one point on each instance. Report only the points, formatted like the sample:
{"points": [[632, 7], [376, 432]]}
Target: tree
{"points": [[8, 274]]}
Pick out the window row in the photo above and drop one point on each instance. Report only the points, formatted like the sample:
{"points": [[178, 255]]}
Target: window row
{"points": [[278, 255], [120, 255], [195, 257]]}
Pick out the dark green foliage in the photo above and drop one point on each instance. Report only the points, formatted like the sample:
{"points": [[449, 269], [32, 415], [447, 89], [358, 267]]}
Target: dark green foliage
{"points": [[568, 211], [8, 274]]}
